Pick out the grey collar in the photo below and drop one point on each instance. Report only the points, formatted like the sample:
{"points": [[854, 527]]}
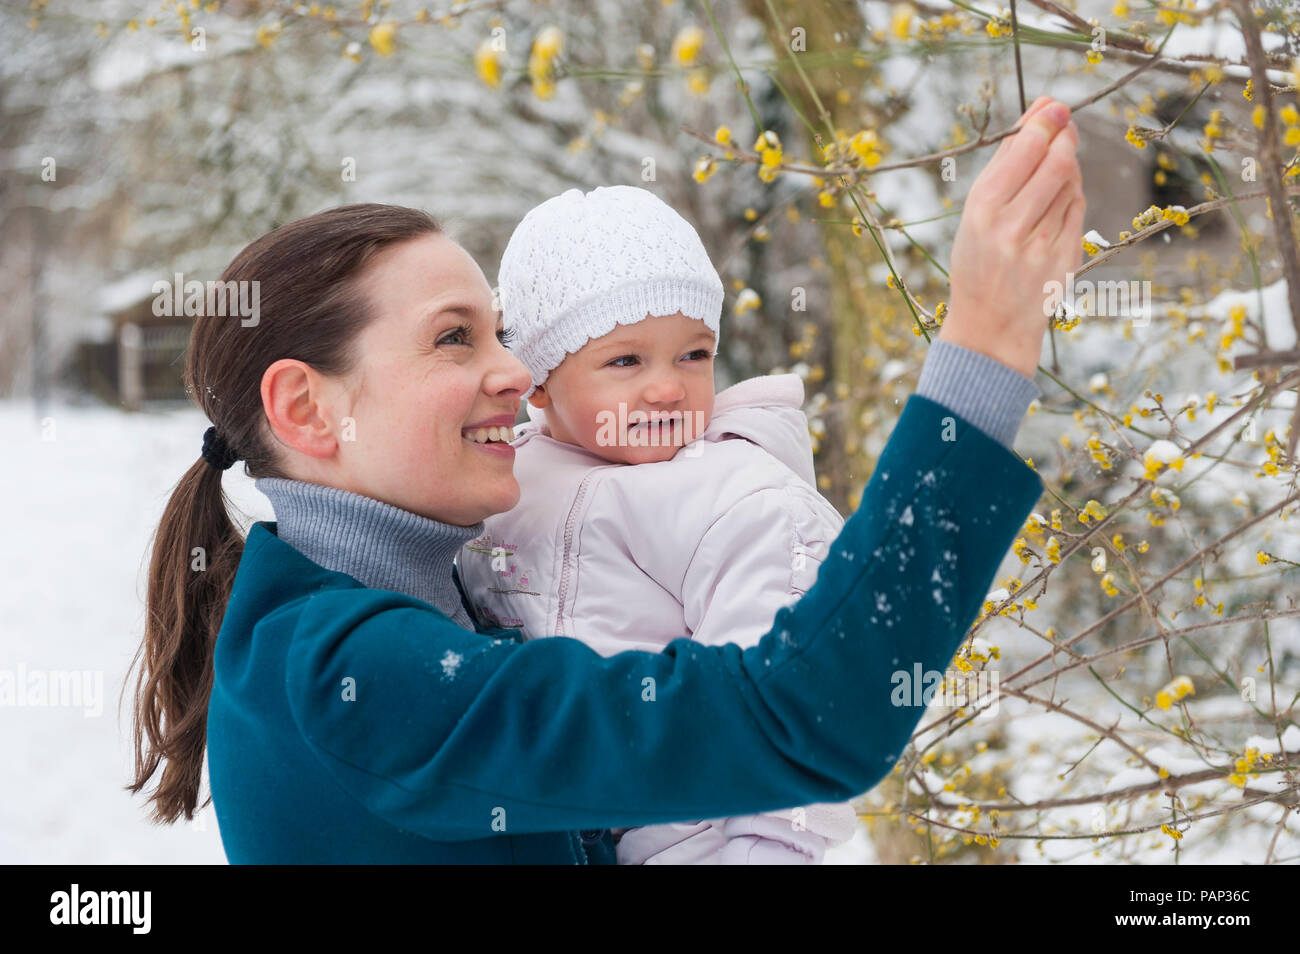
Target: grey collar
{"points": [[382, 546]]}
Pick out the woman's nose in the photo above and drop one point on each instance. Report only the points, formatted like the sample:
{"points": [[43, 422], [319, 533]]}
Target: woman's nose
{"points": [[508, 373]]}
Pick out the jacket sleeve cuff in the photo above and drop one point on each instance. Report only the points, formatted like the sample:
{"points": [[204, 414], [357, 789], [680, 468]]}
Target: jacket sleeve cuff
{"points": [[983, 391]]}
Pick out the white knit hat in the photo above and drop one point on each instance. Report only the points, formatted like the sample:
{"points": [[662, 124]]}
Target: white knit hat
{"points": [[578, 265]]}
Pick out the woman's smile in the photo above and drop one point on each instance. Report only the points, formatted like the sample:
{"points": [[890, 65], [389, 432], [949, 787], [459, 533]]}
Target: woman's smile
{"points": [[499, 448], [493, 435]]}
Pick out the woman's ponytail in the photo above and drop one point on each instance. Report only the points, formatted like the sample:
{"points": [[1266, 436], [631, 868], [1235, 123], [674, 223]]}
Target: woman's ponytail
{"points": [[196, 552], [301, 276]]}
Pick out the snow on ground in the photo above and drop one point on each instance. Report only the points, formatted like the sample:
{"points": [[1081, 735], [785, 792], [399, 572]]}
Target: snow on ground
{"points": [[84, 506]]}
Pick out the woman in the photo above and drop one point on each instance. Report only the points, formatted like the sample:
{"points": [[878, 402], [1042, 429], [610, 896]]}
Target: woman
{"points": [[352, 711]]}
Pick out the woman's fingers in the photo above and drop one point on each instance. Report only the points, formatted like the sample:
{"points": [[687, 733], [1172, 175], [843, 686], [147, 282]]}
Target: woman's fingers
{"points": [[1046, 233], [1071, 235], [1035, 209], [1005, 145], [1007, 142], [1029, 149]]}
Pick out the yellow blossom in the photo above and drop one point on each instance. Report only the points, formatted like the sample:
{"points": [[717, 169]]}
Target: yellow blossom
{"points": [[1214, 128], [1175, 690], [549, 43], [748, 299], [383, 37], [487, 63], [866, 146], [901, 24], [547, 46], [704, 168], [1092, 510], [999, 26], [686, 45], [267, 32]]}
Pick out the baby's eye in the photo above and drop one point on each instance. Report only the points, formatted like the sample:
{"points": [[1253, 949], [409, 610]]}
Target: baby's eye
{"points": [[626, 357], [702, 353]]}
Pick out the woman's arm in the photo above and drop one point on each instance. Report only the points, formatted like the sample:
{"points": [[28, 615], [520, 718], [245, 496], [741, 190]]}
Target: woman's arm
{"points": [[457, 736]]}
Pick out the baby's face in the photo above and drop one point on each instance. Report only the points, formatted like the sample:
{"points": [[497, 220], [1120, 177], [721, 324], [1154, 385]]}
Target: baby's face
{"points": [[610, 395]]}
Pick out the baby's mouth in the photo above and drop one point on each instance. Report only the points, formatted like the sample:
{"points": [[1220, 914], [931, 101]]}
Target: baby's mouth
{"points": [[668, 420]]}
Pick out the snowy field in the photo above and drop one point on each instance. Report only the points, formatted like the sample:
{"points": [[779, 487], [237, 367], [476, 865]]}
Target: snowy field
{"points": [[75, 562]]}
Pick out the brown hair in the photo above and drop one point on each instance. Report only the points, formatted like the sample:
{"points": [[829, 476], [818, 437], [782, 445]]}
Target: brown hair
{"points": [[310, 310]]}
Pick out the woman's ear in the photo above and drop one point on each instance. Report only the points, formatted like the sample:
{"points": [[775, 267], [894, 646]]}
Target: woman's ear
{"points": [[293, 397]]}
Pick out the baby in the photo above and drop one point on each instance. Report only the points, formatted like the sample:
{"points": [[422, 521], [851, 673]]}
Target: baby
{"points": [[651, 509]]}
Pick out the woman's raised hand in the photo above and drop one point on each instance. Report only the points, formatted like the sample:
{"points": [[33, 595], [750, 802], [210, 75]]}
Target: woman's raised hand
{"points": [[1020, 230]]}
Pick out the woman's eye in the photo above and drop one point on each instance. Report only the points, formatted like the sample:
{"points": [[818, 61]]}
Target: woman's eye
{"points": [[461, 331]]}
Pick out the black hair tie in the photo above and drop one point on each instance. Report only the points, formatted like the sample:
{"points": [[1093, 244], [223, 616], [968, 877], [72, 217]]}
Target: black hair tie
{"points": [[216, 451]]}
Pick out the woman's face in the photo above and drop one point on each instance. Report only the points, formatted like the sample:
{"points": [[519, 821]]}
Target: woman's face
{"points": [[430, 367]]}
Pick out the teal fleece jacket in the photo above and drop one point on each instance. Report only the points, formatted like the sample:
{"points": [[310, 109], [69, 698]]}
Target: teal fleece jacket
{"points": [[352, 725]]}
